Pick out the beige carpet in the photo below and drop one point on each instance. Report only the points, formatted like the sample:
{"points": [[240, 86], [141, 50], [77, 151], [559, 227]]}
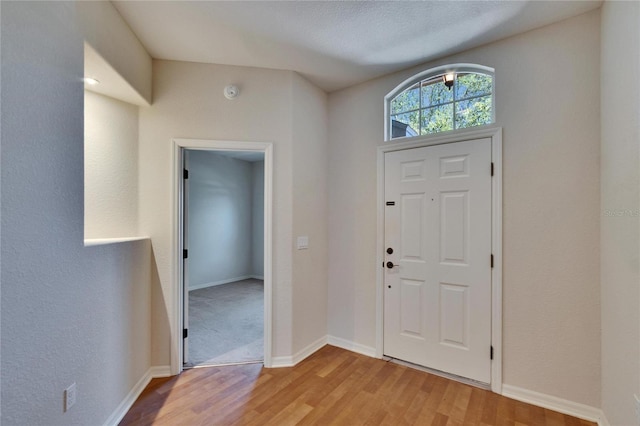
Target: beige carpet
{"points": [[226, 324]]}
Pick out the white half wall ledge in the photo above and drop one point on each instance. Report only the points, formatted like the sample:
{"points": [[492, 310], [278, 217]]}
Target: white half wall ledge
{"points": [[90, 242], [152, 373], [554, 403]]}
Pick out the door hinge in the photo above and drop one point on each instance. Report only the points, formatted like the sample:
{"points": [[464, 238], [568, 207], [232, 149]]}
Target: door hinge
{"points": [[185, 253], [491, 353], [185, 333], [185, 174], [491, 169], [492, 260]]}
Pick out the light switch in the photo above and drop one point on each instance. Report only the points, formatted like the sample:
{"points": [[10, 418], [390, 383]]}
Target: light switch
{"points": [[303, 242]]}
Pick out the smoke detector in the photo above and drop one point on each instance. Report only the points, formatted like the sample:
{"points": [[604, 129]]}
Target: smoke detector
{"points": [[231, 91]]}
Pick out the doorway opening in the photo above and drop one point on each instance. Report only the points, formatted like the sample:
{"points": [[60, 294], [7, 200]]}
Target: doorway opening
{"points": [[224, 266], [223, 257]]}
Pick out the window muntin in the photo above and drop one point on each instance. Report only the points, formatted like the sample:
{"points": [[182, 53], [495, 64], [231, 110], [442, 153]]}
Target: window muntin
{"points": [[429, 106]]}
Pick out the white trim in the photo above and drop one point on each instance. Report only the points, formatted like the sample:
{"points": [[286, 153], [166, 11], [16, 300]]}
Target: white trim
{"points": [[126, 404], [282, 361], [352, 346], [90, 242], [175, 298], [496, 272], [495, 133], [290, 361], [554, 403], [221, 282], [159, 371], [128, 400], [380, 256], [431, 73]]}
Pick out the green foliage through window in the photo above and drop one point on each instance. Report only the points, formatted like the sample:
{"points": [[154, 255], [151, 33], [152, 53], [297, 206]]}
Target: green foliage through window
{"points": [[431, 107]]}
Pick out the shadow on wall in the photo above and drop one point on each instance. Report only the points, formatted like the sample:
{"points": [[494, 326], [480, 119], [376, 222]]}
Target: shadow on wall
{"points": [[160, 324]]}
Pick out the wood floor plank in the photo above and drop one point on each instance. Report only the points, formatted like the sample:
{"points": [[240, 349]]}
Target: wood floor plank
{"points": [[536, 414], [339, 393], [553, 418], [446, 402], [399, 398], [473, 414], [521, 413], [436, 394], [331, 387], [506, 414], [490, 409], [411, 400], [572, 421], [460, 404]]}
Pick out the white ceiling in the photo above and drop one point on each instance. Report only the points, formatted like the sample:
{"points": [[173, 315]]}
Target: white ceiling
{"points": [[334, 44]]}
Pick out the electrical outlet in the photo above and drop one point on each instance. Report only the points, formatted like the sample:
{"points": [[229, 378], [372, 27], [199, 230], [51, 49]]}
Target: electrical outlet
{"points": [[637, 404], [69, 397]]}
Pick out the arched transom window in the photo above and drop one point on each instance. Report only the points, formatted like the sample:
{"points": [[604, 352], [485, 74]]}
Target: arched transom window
{"points": [[439, 100]]}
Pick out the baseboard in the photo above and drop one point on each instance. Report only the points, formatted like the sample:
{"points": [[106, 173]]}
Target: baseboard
{"points": [[257, 277], [215, 283], [128, 400], [160, 371], [309, 349], [351, 346], [134, 393], [290, 361], [554, 403]]}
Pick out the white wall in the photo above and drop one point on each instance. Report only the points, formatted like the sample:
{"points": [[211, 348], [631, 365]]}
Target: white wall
{"points": [[257, 221], [111, 167], [551, 205], [188, 103], [220, 219], [310, 170], [69, 313], [620, 186]]}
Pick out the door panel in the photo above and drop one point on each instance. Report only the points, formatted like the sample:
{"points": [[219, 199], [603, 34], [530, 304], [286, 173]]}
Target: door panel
{"points": [[437, 301], [454, 324], [412, 208], [411, 312], [454, 227]]}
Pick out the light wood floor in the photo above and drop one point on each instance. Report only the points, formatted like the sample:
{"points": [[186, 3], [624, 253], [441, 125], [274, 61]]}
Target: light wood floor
{"points": [[331, 387]]}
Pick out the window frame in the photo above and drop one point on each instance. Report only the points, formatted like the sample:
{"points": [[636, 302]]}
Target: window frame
{"points": [[433, 73]]}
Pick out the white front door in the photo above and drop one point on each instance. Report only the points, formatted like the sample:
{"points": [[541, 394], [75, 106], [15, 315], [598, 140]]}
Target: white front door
{"points": [[437, 279]]}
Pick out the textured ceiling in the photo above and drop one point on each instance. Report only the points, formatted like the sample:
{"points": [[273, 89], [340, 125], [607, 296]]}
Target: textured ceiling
{"points": [[334, 44]]}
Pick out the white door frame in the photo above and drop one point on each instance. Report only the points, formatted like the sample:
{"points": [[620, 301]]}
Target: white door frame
{"points": [[495, 133], [177, 233]]}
